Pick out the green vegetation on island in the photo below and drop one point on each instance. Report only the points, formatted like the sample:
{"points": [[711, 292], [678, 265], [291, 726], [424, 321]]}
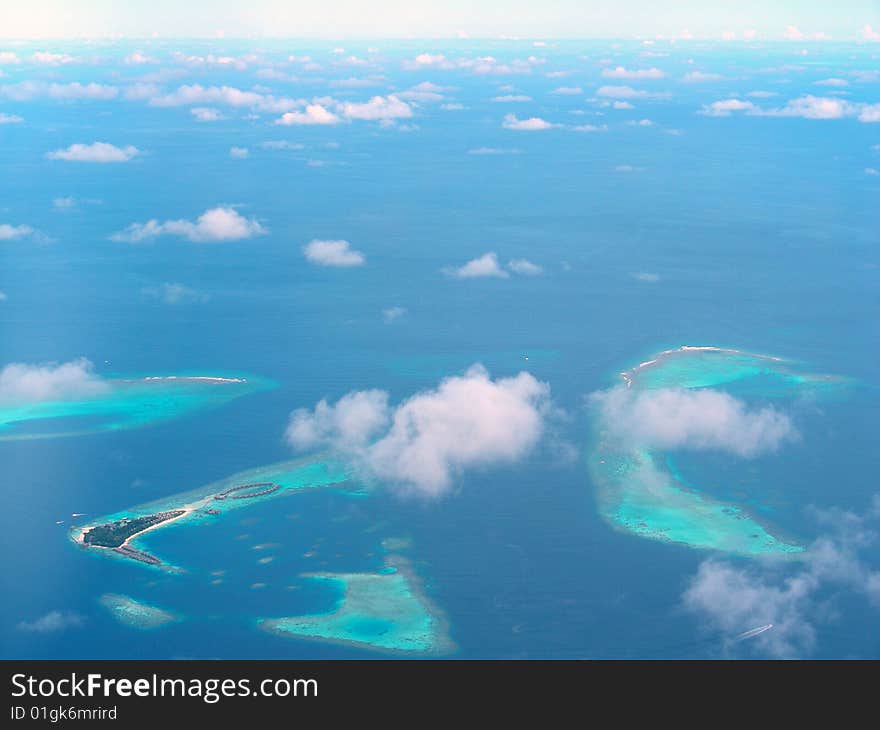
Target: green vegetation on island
{"points": [[115, 534]]}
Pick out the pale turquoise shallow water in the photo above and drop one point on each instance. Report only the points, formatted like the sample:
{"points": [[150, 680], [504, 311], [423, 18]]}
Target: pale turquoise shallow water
{"points": [[383, 610], [124, 403], [136, 614], [638, 492]]}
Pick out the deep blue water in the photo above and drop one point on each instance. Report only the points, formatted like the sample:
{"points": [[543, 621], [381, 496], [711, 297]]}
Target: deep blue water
{"points": [[762, 231]]}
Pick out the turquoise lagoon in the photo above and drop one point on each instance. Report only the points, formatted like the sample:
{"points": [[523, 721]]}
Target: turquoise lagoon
{"points": [[644, 493], [124, 403], [386, 610]]}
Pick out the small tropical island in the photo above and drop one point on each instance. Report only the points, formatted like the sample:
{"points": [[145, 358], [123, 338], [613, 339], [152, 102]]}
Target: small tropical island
{"points": [[116, 534]]}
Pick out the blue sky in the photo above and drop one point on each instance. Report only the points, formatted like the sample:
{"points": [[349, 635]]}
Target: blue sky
{"points": [[791, 19]]}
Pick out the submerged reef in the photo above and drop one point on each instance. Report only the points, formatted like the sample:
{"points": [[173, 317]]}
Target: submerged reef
{"points": [[123, 403], [636, 489], [136, 614], [383, 611]]}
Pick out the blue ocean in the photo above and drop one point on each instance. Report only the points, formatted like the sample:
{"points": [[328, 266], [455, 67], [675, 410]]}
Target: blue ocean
{"points": [[652, 220]]}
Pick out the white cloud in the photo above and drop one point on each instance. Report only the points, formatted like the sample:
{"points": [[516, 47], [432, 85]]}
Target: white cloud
{"points": [[590, 128], [350, 423], [493, 151], [813, 107], [736, 600], [10, 119], [216, 224], [377, 108], [869, 34], [805, 107], [481, 65], [190, 95], [52, 622], [355, 83], [211, 61], [640, 123], [793, 33], [568, 91], [620, 92], [9, 232], [138, 58], [762, 94], [485, 266], [173, 292], [27, 90], [873, 171], [425, 91], [832, 82], [789, 597], [646, 276], [392, 314], [429, 440], [692, 419], [313, 114], [725, 107], [511, 98], [697, 77], [428, 60], [532, 124], [817, 107], [64, 204], [622, 105], [282, 144], [26, 383], [206, 114], [3, 296], [8, 58], [51, 59], [623, 73], [238, 152], [869, 113], [333, 253], [525, 267], [101, 152]]}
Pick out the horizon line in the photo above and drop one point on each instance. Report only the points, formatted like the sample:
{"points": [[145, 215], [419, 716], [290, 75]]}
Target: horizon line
{"points": [[537, 38]]}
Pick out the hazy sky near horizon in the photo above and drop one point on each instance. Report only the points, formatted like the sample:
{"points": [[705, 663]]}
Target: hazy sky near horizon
{"points": [[791, 19]]}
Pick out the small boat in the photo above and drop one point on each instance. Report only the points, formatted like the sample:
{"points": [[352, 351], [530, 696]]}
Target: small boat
{"points": [[753, 632]]}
